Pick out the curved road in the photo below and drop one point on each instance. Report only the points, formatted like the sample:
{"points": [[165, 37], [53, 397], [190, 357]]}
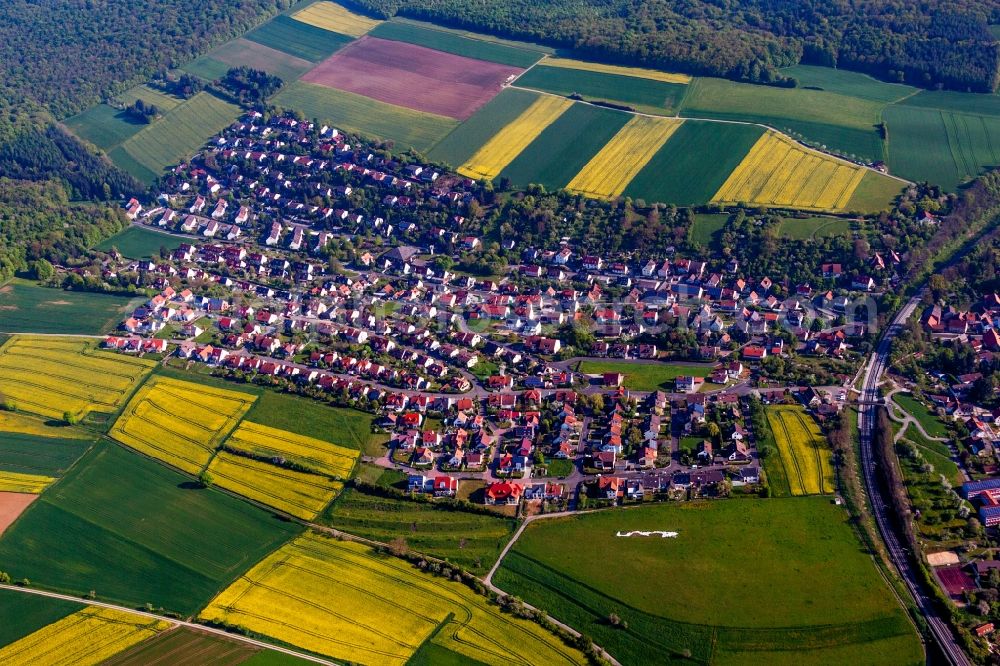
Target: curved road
{"points": [[870, 401]]}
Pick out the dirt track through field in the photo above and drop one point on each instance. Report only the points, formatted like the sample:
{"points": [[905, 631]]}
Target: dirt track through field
{"points": [[412, 76]]}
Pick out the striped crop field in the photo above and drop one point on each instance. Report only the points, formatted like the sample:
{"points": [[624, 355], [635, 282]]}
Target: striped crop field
{"points": [[21, 424], [336, 18], [611, 170], [86, 637], [54, 376], [779, 172], [343, 600], [14, 482], [179, 422], [638, 72], [508, 143], [295, 492], [805, 454], [307, 452]]}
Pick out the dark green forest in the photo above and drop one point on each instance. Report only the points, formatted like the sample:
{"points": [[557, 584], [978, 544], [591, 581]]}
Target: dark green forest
{"points": [[935, 43]]}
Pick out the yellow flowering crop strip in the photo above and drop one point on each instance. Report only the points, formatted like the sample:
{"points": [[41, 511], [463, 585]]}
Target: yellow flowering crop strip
{"points": [[609, 172], [323, 457], [804, 451], [639, 72], [52, 376], [331, 16], [494, 156], [296, 493], [15, 482], [27, 425], [178, 422], [87, 637], [343, 600], [780, 172]]}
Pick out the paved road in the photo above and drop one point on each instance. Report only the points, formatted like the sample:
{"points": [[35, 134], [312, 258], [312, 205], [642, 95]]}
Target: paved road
{"points": [[870, 398]]}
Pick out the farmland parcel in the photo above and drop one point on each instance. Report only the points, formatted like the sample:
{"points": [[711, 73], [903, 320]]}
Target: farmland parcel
{"points": [[468, 46], [645, 94], [351, 603], [24, 614], [456, 148], [135, 531], [810, 591], [334, 17], [27, 307], [185, 647], [247, 53], [804, 456], [86, 637], [55, 376], [412, 76], [179, 422], [297, 38]]}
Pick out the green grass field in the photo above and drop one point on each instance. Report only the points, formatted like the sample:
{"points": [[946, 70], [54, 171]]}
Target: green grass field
{"points": [[298, 39], [930, 422], [646, 376], [694, 163], [104, 126], [176, 136], [208, 68], [150, 95], [564, 147], [471, 540], [958, 102], [809, 591], [853, 84], [707, 227], [456, 148], [244, 52], [33, 454], [28, 308], [139, 243], [814, 227], [135, 531], [185, 647], [342, 426], [24, 614], [842, 123], [875, 192], [356, 113], [644, 94], [937, 454], [449, 42]]}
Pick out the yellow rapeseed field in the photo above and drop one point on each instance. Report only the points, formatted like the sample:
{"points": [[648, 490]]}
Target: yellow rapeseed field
{"points": [[52, 376], [87, 637], [638, 72], [331, 16], [316, 454], [780, 172], [15, 482], [805, 453], [609, 172], [296, 493], [179, 422], [353, 604], [27, 425], [508, 143]]}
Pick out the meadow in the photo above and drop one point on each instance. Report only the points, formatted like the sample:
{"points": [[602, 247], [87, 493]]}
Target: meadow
{"points": [[706, 228], [354, 604], [24, 614], [469, 137], [346, 428], [810, 590], [644, 94], [336, 18], [499, 151], [180, 132], [814, 227], [150, 96], [244, 52], [298, 39], [931, 424], [178, 422], [449, 42], [184, 647], [55, 376], [134, 531], [140, 243], [27, 308], [470, 540], [803, 453], [86, 638], [565, 146], [104, 126], [849, 83], [357, 113], [610, 171], [646, 376]]}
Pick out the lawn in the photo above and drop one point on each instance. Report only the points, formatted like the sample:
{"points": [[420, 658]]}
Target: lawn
{"points": [[139, 243], [471, 540], [177, 135], [449, 42], [650, 376], [693, 164], [353, 604], [560, 467], [298, 39], [564, 147], [853, 84], [463, 142], [104, 126], [367, 116], [641, 93], [707, 228], [808, 589], [931, 423], [28, 308], [185, 647], [135, 531], [26, 613]]}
